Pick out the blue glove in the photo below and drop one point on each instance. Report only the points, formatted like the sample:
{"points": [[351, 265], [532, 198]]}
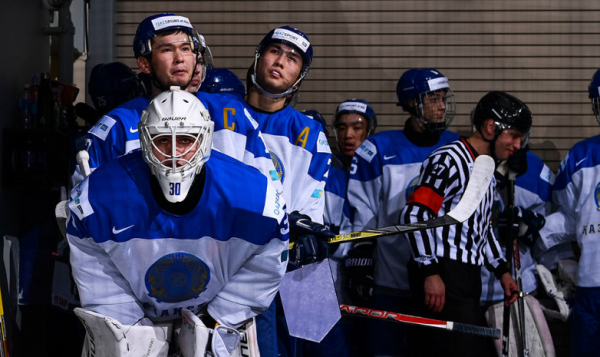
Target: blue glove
{"points": [[309, 238]]}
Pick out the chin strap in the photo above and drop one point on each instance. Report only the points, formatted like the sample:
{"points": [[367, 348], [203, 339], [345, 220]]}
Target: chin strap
{"points": [[290, 90]]}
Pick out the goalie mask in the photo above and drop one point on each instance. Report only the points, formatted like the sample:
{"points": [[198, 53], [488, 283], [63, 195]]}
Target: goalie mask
{"points": [[176, 139], [426, 95]]}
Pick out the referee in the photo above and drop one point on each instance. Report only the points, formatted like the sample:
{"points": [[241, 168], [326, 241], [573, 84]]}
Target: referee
{"points": [[445, 274]]}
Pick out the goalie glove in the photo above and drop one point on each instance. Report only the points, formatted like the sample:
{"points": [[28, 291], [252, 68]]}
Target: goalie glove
{"points": [[527, 225], [358, 265], [309, 238]]}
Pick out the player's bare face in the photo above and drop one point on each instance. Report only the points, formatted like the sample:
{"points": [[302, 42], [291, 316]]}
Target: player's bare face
{"points": [[351, 131], [196, 79], [509, 141], [182, 152], [434, 106], [173, 60], [278, 68]]}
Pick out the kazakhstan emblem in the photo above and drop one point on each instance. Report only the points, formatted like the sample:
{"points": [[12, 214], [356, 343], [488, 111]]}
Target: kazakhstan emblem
{"points": [[278, 166], [412, 187], [177, 277]]}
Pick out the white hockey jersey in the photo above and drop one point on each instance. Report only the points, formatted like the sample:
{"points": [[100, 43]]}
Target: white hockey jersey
{"points": [[577, 194], [385, 171], [132, 259], [301, 155]]}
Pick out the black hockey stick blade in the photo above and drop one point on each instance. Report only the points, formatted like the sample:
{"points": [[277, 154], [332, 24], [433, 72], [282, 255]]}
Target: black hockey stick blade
{"points": [[421, 321], [479, 182]]}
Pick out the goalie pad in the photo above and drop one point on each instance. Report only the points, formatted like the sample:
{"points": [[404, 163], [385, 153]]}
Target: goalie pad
{"points": [[538, 334], [107, 337], [195, 337], [550, 287]]}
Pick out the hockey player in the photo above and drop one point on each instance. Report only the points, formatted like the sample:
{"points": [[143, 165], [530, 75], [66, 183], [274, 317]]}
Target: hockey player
{"points": [[354, 120], [445, 274], [165, 229], [202, 66], [222, 80], [577, 192], [385, 170], [168, 48], [300, 153]]}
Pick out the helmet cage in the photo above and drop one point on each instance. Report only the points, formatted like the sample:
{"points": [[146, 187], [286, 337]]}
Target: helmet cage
{"points": [[449, 103]]}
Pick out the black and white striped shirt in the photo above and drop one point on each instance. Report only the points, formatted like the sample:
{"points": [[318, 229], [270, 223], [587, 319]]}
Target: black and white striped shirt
{"points": [[444, 177]]}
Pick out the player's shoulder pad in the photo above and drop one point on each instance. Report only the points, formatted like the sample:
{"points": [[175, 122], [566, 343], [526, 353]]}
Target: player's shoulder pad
{"points": [[253, 193], [537, 166], [79, 202], [228, 112], [127, 114], [367, 150], [303, 131]]}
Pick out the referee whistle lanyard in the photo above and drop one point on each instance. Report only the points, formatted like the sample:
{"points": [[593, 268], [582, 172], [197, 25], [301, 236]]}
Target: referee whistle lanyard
{"points": [[513, 259]]}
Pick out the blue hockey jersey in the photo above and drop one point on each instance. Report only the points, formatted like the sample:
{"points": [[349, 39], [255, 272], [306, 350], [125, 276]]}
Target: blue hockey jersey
{"points": [[132, 259]]}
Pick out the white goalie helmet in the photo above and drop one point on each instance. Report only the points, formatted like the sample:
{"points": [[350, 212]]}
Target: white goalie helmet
{"points": [[176, 116]]}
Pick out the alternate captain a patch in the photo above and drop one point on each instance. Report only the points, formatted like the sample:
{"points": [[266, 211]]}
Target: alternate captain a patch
{"points": [[278, 166], [177, 277]]}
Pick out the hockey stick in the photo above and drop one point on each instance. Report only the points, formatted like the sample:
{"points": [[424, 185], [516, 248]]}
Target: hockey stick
{"points": [[422, 321], [4, 347], [514, 260], [83, 159], [483, 171]]}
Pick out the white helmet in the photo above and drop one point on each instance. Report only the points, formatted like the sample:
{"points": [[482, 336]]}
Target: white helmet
{"points": [[175, 115]]}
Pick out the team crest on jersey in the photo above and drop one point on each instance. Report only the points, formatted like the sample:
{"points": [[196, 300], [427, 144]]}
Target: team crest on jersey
{"points": [[278, 166], [412, 186], [597, 196], [177, 277]]}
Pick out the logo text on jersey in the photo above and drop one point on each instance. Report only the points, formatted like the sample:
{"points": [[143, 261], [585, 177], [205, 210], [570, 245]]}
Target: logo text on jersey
{"points": [[131, 130], [385, 157], [117, 231]]}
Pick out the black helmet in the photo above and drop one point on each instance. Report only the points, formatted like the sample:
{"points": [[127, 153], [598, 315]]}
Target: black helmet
{"points": [[507, 111]]}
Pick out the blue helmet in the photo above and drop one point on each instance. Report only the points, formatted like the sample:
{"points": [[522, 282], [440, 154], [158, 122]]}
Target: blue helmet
{"points": [[594, 94], [155, 24], [291, 37], [414, 84], [315, 115], [222, 80], [112, 84], [357, 106]]}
